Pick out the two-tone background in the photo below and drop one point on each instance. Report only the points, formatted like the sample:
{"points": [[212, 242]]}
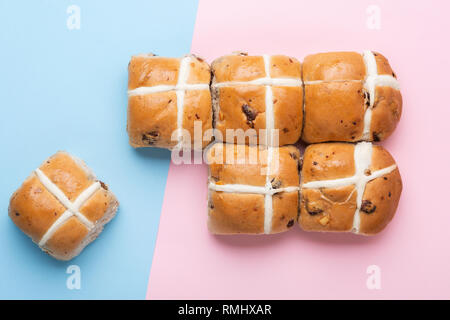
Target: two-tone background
{"points": [[63, 82]]}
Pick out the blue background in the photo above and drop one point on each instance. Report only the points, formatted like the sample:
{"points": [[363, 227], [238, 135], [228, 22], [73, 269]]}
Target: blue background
{"points": [[64, 89]]}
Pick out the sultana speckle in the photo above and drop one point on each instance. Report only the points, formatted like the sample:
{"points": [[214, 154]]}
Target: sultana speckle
{"points": [[250, 114], [368, 207], [150, 137]]}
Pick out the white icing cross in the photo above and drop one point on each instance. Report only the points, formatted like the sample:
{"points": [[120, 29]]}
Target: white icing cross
{"points": [[270, 125], [372, 80], [268, 191], [183, 74], [363, 160], [72, 208], [264, 81], [268, 82], [180, 89]]}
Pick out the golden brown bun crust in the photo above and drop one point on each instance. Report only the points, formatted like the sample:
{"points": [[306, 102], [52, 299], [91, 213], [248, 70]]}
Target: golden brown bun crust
{"points": [[285, 211], [333, 112], [335, 106], [327, 210], [238, 68], [147, 71], [381, 195], [333, 209], [233, 102], [66, 239], [288, 113], [68, 176], [232, 213], [244, 106], [95, 208], [327, 161], [223, 171], [34, 209], [250, 162], [334, 66], [197, 107], [152, 118], [284, 66], [383, 66], [386, 112]]}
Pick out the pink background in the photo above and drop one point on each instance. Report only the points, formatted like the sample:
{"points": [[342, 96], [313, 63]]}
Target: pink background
{"points": [[413, 251]]}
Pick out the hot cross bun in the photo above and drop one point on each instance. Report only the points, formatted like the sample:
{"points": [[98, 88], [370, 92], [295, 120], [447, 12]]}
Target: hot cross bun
{"points": [[245, 197], [165, 97], [62, 206], [349, 97], [348, 187]]}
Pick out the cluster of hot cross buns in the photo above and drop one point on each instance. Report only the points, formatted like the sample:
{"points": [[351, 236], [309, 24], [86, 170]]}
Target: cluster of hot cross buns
{"points": [[337, 102], [337, 96]]}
